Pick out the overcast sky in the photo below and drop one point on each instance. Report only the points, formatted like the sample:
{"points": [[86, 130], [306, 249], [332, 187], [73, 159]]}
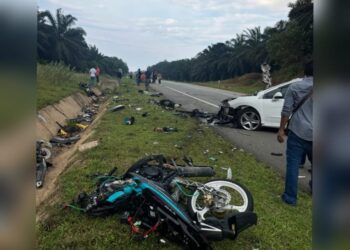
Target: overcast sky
{"points": [[145, 32]]}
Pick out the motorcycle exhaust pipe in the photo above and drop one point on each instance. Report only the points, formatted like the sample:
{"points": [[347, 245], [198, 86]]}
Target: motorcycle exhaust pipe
{"points": [[196, 171]]}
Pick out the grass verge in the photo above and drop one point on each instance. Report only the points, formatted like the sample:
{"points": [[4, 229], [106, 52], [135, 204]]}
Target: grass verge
{"points": [[56, 81], [250, 83], [279, 226], [247, 84]]}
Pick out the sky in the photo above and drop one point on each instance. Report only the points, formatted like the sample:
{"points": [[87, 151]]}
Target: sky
{"points": [[143, 33]]}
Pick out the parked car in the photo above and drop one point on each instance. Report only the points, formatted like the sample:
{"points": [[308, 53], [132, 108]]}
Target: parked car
{"points": [[262, 109]]}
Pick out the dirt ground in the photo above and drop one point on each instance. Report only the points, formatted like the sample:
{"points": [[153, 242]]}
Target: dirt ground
{"points": [[62, 157]]}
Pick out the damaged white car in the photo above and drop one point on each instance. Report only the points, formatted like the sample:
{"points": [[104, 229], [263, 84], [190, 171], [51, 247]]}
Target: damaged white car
{"points": [[262, 109]]}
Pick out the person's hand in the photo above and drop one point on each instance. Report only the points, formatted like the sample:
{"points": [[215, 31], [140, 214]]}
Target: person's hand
{"points": [[280, 135]]}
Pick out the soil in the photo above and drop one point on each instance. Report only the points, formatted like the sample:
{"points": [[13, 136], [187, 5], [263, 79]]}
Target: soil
{"points": [[62, 158]]}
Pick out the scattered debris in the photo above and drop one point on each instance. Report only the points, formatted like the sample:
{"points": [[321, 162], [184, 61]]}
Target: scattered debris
{"points": [[206, 151], [60, 141], [87, 146], [96, 91], [129, 120], [276, 154], [221, 152], [117, 108], [302, 176], [212, 158], [166, 104], [117, 99], [241, 150], [138, 109], [155, 143], [166, 129], [196, 113], [43, 154], [155, 94], [178, 146], [229, 174]]}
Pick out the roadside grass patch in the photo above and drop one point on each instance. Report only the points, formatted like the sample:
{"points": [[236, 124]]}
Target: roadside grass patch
{"points": [[252, 82], [279, 226], [247, 84], [56, 81]]}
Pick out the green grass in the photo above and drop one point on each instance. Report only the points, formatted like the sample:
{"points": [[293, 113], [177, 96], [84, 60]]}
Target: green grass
{"points": [[56, 81], [252, 82], [247, 84], [279, 226]]}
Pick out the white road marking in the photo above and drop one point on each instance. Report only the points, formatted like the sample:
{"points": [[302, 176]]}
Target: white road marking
{"points": [[196, 98]]}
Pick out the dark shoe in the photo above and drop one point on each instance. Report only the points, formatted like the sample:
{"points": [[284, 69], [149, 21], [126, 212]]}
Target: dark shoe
{"points": [[287, 202]]}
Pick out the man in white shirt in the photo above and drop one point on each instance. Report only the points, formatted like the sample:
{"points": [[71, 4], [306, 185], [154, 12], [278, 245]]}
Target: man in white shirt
{"points": [[92, 73]]}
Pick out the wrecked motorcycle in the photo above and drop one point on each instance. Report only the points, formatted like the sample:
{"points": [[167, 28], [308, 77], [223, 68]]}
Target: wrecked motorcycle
{"points": [[148, 207], [214, 198]]}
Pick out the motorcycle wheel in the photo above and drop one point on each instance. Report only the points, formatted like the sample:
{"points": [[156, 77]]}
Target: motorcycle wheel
{"points": [[240, 199]]}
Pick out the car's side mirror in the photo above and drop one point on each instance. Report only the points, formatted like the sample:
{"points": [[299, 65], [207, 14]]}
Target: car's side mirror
{"points": [[277, 96]]}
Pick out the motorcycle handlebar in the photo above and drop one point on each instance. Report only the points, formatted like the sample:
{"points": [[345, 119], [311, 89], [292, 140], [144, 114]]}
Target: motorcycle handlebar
{"points": [[195, 171]]}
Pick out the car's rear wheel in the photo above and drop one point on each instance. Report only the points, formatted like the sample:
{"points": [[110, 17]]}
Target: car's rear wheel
{"points": [[249, 119]]}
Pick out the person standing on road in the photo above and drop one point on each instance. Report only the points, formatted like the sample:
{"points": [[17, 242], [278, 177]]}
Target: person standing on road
{"points": [[143, 77], [98, 71], [159, 77], [138, 77], [297, 113], [148, 79], [92, 73]]}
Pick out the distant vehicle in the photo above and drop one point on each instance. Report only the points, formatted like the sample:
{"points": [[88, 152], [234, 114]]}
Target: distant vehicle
{"points": [[262, 109]]}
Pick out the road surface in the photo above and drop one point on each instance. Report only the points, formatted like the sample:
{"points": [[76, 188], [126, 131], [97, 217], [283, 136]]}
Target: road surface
{"points": [[260, 143]]}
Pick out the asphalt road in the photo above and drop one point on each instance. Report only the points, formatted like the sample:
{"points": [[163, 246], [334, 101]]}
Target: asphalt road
{"points": [[260, 143]]}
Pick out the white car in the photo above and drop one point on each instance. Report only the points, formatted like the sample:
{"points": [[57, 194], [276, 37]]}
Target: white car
{"points": [[262, 109]]}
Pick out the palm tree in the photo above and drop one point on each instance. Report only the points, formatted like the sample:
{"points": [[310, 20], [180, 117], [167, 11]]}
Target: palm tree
{"points": [[67, 43], [255, 47], [302, 12]]}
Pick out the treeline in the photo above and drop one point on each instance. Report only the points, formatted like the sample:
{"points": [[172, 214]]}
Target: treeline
{"points": [[60, 41], [289, 44]]}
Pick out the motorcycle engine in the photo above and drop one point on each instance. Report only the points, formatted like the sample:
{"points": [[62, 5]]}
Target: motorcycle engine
{"points": [[151, 173]]}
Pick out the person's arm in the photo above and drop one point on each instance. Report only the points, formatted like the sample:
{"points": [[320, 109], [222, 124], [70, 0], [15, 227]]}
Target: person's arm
{"points": [[285, 114], [281, 134]]}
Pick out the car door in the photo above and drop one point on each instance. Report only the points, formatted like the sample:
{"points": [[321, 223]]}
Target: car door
{"points": [[272, 107]]}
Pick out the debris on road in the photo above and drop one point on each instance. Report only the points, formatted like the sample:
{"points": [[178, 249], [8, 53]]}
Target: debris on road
{"points": [[276, 154]]}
